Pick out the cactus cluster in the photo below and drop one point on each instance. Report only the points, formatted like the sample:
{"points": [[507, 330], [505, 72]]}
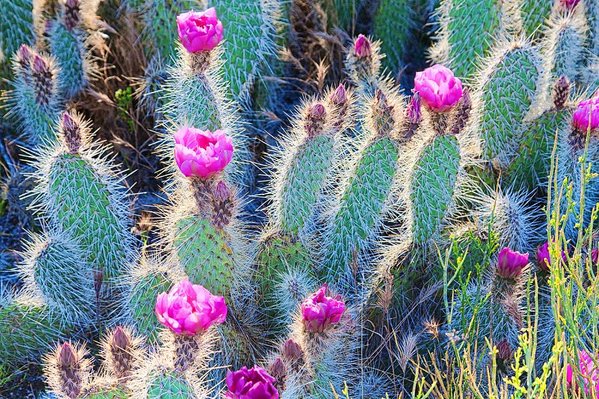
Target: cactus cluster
{"points": [[392, 222]]}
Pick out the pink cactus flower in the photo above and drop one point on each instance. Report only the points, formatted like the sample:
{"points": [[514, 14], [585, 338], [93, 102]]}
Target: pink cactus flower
{"points": [[413, 111], [319, 311], [570, 4], [543, 257], [202, 153], [511, 263], [188, 309], [586, 115], [362, 47], [595, 255], [439, 89], [254, 383], [199, 31], [589, 373]]}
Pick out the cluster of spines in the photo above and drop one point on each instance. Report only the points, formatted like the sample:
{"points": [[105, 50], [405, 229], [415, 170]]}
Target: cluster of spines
{"points": [[69, 368]]}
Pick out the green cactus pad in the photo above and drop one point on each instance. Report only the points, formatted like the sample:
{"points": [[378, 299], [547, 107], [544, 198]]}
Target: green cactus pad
{"points": [[508, 92], [530, 168], [433, 186], [142, 302], [170, 386], [304, 182], [83, 205], [26, 331], [534, 15], [115, 393], [393, 23], [160, 18], [205, 254], [61, 273], [16, 26], [279, 253], [361, 203], [567, 51], [471, 27], [69, 49], [38, 123], [249, 35]]}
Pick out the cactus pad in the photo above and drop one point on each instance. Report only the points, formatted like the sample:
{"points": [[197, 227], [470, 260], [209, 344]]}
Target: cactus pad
{"points": [[433, 185]]}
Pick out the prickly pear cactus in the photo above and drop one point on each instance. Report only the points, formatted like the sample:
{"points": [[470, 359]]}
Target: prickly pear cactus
{"points": [[145, 282], [82, 192], [68, 45], [393, 24], [19, 316], [534, 16], [205, 253], [467, 33], [34, 99], [361, 203], [16, 28], [433, 186], [169, 386], [249, 39], [55, 267], [509, 85]]}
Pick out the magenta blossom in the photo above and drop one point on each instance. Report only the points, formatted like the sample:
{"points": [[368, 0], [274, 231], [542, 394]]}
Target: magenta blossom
{"points": [[590, 375], [320, 311], [595, 255], [511, 263], [254, 383], [362, 47], [586, 115], [439, 89], [188, 309], [199, 31], [202, 153], [543, 257]]}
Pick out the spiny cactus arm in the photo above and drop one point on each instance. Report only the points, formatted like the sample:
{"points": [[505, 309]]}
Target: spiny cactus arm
{"points": [[534, 16], [249, 39], [55, 268], [16, 26], [20, 314], [82, 191], [364, 194], [67, 39], [563, 47], [143, 283], [196, 95], [531, 166], [34, 100], [302, 168], [509, 84], [363, 63], [468, 31], [394, 22]]}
